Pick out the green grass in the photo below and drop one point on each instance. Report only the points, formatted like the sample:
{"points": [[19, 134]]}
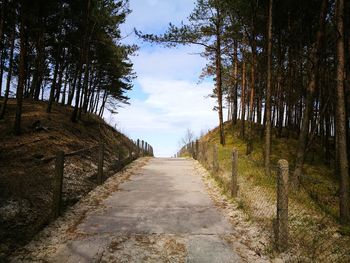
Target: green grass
{"points": [[313, 208], [319, 185]]}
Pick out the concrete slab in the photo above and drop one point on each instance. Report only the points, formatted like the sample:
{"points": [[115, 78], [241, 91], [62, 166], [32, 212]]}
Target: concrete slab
{"points": [[166, 198], [81, 251], [157, 220], [209, 249]]}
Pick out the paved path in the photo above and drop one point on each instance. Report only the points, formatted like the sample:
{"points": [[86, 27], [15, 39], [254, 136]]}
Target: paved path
{"points": [[163, 209]]}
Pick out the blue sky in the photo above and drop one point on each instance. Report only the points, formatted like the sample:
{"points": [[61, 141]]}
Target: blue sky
{"points": [[166, 98]]}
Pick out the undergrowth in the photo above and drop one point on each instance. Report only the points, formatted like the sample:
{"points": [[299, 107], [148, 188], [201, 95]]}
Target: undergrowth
{"points": [[314, 232]]}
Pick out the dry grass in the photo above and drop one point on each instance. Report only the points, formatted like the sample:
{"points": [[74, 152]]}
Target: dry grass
{"points": [[26, 181], [313, 211], [60, 231]]}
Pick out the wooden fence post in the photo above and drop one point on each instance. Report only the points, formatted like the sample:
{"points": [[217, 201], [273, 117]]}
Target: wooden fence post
{"points": [[192, 150], [197, 150], [58, 183], [281, 230], [100, 163], [234, 185], [143, 148], [215, 158], [138, 147]]}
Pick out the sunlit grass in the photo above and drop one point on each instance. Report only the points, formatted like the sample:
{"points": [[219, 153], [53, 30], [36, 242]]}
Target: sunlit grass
{"points": [[319, 185], [312, 209]]}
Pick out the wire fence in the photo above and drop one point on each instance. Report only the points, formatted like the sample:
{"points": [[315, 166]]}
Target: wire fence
{"points": [[296, 224], [95, 170], [47, 183]]}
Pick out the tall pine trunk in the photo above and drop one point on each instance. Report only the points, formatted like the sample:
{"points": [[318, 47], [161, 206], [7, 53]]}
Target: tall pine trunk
{"points": [[22, 73], [304, 131], [243, 100], [72, 87], [235, 84], [83, 61], [251, 101], [2, 61], [77, 97], [39, 66], [60, 79], [9, 74], [341, 122], [268, 92], [218, 67], [63, 101], [2, 18], [53, 85]]}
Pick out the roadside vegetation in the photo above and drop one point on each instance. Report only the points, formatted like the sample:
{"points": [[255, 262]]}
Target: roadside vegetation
{"points": [[27, 168], [315, 232], [282, 66]]}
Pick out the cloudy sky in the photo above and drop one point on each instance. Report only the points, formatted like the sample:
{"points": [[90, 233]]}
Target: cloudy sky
{"points": [[166, 98]]}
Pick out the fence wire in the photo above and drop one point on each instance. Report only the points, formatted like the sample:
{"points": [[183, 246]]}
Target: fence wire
{"points": [[314, 235], [36, 195]]}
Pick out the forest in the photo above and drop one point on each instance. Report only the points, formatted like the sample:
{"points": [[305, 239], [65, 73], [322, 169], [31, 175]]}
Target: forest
{"points": [[281, 67], [62, 67], [280, 70], [65, 52]]}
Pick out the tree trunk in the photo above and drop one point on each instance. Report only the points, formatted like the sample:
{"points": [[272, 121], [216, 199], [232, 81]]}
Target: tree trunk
{"points": [[86, 86], [2, 60], [235, 83], [22, 73], [72, 89], [63, 101], [60, 78], [83, 61], [9, 74], [2, 15], [81, 100], [219, 79], [243, 101], [105, 95], [77, 98], [268, 93], [39, 66], [341, 122], [251, 102], [304, 131], [53, 85], [97, 99], [92, 85]]}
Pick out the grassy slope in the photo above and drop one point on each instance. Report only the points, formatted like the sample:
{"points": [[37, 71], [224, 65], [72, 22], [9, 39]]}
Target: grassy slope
{"points": [[26, 181], [318, 181], [313, 210]]}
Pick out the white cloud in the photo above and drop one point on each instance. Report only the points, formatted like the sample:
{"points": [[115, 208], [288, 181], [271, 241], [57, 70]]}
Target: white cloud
{"points": [[179, 63], [155, 15], [167, 99], [170, 104], [170, 108]]}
